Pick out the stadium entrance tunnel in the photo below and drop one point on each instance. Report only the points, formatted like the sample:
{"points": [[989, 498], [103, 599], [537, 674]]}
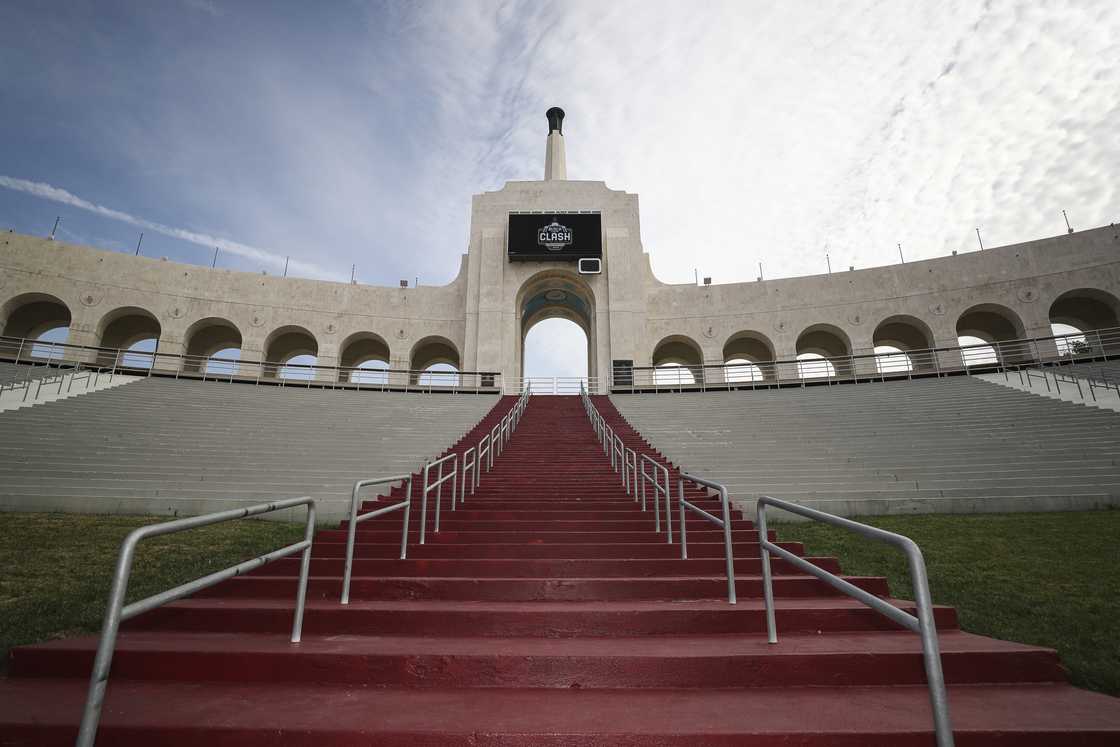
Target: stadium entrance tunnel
{"points": [[679, 360], [556, 294], [999, 328], [749, 356], [32, 316], [896, 338], [825, 351], [434, 361], [362, 350], [285, 344], [207, 338]]}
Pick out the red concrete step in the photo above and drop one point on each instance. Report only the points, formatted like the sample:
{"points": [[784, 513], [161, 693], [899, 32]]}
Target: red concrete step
{"points": [[524, 619], [470, 567], [643, 523], [600, 551], [848, 659], [44, 712], [371, 531], [535, 589]]}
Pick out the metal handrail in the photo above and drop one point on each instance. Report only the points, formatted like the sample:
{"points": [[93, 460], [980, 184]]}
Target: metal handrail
{"points": [[117, 611], [438, 487], [923, 624], [351, 532], [724, 523], [630, 471], [194, 366], [470, 464], [870, 366], [658, 492]]}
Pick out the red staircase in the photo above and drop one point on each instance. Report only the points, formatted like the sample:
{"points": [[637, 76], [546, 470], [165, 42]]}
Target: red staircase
{"points": [[546, 612]]}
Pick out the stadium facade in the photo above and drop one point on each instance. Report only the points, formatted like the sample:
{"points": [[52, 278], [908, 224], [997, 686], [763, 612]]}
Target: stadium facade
{"points": [[516, 272]]}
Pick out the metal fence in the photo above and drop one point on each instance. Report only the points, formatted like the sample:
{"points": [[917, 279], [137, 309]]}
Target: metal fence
{"points": [[723, 522], [118, 612], [277, 373], [870, 366], [923, 624]]}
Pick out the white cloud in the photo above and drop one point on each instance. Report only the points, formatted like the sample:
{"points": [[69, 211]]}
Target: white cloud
{"points": [[59, 195]]}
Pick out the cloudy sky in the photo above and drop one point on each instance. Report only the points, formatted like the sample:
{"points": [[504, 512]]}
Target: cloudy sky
{"points": [[351, 133]]}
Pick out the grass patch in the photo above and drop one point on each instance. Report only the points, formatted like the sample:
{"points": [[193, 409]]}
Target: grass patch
{"points": [[58, 567], [1048, 579]]}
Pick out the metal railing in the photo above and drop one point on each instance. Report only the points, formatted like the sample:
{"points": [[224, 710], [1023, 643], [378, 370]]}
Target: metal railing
{"points": [[634, 477], [279, 373], [117, 611], [552, 385], [1101, 379], [923, 624], [659, 491], [863, 366], [441, 478], [723, 523], [487, 450], [355, 519]]}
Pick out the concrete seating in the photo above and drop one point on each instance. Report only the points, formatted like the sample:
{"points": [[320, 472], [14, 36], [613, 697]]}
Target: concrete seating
{"points": [[170, 447], [938, 445]]}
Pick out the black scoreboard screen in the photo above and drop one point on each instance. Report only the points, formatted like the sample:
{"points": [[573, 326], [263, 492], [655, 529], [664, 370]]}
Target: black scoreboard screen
{"points": [[564, 237]]}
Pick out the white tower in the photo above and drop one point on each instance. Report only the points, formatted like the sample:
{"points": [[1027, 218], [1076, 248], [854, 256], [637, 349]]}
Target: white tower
{"points": [[555, 163]]}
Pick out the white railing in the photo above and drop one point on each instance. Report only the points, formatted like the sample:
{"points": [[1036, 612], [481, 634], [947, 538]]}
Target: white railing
{"points": [[870, 366], [260, 372]]}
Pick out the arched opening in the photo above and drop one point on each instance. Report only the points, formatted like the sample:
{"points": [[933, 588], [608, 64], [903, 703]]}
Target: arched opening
{"points": [[892, 360], [556, 309], [555, 355], [678, 361], [814, 366], [212, 344], [902, 344], [990, 333], [1084, 310], [434, 361], [364, 359], [823, 351], [291, 352], [129, 336], [39, 317], [748, 357]]}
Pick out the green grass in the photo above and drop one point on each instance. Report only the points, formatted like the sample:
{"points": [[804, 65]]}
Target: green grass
{"points": [[57, 567], [1048, 579]]}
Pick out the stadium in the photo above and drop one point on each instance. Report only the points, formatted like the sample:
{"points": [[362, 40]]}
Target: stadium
{"points": [[477, 556]]}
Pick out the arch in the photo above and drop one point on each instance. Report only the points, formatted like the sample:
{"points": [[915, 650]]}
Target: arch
{"points": [[556, 293], [289, 341], [752, 354], [899, 336], [126, 327], [33, 315], [826, 341], [679, 350], [205, 338], [359, 350], [997, 326], [1086, 309], [285, 343], [990, 322], [433, 350], [555, 347]]}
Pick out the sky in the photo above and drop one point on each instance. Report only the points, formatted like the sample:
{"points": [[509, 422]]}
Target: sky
{"points": [[349, 136]]}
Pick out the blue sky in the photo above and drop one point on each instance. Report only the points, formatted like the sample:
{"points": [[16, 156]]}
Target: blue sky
{"points": [[354, 133]]}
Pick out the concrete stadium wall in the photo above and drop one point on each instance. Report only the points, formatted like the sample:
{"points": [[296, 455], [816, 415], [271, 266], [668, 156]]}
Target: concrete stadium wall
{"points": [[479, 321]]}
